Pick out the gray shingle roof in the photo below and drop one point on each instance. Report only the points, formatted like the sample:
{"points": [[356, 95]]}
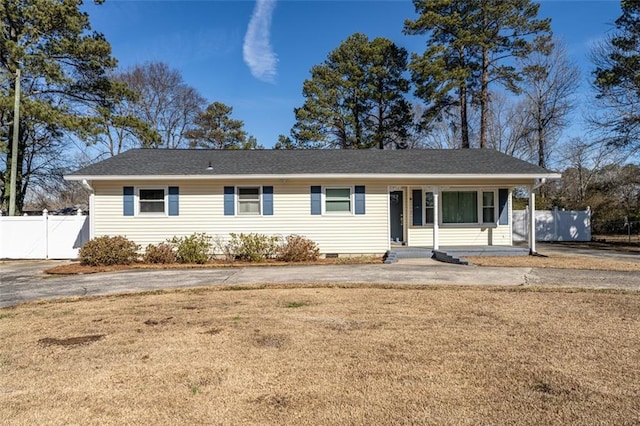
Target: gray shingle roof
{"points": [[149, 162]]}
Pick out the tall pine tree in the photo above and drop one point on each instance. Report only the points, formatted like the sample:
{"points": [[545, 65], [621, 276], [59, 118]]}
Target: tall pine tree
{"points": [[356, 98], [64, 67], [470, 44], [215, 129], [617, 79]]}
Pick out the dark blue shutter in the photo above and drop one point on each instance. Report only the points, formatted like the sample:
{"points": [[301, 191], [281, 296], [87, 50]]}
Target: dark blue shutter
{"points": [[174, 203], [503, 206], [267, 200], [359, 200], [316, 200], [417, 207], [229, 200], [127, 201]]}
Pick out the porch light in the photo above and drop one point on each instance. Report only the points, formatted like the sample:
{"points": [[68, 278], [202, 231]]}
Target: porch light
{"points": [[209, 167]]}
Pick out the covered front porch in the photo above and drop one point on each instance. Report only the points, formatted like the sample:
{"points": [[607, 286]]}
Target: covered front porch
{"points": [[475, 220]]}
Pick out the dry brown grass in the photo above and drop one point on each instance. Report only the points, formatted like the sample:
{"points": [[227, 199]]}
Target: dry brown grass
{"points": [[325, 356], [555, 261]]}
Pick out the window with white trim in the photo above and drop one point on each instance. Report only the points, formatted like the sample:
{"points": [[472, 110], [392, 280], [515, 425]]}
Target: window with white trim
{"points": [[488, 207], [429, 207], [249, 201], [337, 200], [474, 207], [151, 201]]}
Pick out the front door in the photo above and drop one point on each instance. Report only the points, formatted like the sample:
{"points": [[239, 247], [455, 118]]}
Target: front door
{"points": [[396, 210]]}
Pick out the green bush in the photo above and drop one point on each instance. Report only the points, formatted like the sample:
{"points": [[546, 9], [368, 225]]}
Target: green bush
{"points": [[161, 253], [297, 248], [252, 247], [196, 248], [105, 251]]}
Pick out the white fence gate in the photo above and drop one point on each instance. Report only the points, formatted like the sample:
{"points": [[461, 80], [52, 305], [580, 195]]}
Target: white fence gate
{"points": [[554, 225], [42, 237]]}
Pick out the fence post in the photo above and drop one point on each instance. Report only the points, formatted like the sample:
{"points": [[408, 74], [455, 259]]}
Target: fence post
{"points": [[45, 219], [527, 218], [556, 217]]}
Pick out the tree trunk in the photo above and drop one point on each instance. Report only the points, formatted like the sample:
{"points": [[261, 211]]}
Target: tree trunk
{"points": [[541, 138], [484, 97], [380, 133], [464, 123]]}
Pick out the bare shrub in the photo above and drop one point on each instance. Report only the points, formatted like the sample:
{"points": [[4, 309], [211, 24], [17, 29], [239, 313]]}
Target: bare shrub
{"points": [[196, 248], [297, 248], [161, 253], [106, 251], [252, 247]]}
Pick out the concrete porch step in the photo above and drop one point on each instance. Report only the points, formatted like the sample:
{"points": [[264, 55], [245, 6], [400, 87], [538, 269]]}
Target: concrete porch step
{"points": [[455, 255]]}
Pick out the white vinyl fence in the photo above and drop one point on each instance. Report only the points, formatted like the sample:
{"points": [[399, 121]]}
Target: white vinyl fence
{"points": [[42, 237], [554, 225]]}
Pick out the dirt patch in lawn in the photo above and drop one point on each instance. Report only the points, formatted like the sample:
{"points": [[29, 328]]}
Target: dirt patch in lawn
{"points": [[76, 268], [326, 356], [559, 262], [71, 341]]}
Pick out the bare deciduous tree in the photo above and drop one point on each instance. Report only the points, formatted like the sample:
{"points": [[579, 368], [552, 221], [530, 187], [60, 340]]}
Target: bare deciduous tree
{"points": [[163, 101], [550, 83]]}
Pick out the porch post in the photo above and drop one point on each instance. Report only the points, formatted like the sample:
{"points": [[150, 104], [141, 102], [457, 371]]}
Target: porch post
{"points": [[532, 221], [436, 207], [92, 215]]}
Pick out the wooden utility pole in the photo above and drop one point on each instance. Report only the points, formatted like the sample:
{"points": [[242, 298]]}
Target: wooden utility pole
{"points": [[14, 146]]}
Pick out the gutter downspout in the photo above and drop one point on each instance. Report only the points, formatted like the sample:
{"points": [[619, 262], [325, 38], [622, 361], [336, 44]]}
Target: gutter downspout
{"points": [[92, 210]]}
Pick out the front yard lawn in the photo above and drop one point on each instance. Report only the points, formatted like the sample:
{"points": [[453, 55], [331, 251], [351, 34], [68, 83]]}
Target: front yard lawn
{"points": [[325, 356]]}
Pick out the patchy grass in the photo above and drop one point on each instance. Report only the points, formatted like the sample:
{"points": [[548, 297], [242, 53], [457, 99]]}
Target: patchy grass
{"points": [[615, 242], [433, 355], [76, 268], [295, 304], [554, 261]]}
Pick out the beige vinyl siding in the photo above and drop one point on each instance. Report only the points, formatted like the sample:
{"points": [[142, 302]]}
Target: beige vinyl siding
{"points": [[459, 236], [474, 236], [202, 210], [420, 236]]}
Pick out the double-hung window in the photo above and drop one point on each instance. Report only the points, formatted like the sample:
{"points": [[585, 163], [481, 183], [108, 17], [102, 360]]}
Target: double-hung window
{"points": [[249, 201], [151, 201], [429, 207], [337, 200], [488, 207]]}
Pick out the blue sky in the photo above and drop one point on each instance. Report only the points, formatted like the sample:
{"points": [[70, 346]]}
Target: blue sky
{"points": [[254, 56]]}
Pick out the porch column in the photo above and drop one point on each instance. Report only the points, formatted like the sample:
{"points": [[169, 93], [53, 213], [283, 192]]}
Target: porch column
{"points": [[436, 207], [92, 215], [532, 221]]}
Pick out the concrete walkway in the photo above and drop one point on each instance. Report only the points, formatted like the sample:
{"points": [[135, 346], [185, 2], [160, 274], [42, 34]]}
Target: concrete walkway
{"points": [[24, 281]]}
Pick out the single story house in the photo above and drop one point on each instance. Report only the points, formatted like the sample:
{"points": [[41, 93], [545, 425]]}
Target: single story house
{"points": [[346, 201]]}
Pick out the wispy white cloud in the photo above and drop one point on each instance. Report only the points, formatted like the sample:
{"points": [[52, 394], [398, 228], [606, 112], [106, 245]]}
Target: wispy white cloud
{"points": [[257, 51]]}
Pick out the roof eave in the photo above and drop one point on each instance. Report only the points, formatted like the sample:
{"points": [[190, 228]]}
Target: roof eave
{"points": [[372, 176]]}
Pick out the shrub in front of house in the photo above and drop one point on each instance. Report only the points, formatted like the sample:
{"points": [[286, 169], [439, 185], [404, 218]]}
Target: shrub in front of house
{"points": [[297, 248], [106, 251], [252, 247], [161, 253], [195, 248]]}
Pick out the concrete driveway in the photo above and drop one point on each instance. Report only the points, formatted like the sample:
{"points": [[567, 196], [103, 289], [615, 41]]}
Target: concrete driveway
{"points": [[23, 281]]}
